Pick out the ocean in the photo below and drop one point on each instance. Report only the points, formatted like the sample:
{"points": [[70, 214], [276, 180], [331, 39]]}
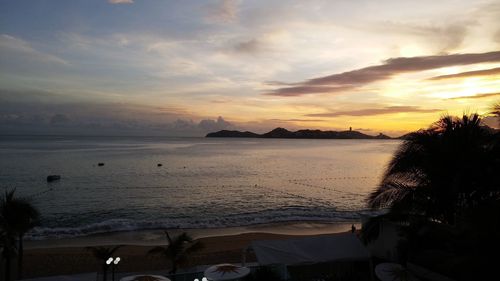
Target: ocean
{"points": [[202, 183]]}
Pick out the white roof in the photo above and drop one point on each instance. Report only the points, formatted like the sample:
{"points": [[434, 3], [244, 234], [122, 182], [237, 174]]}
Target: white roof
{"points": [[308, 250]]}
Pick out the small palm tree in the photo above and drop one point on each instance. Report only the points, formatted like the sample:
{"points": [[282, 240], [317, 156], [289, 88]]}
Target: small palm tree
{"points": [[17, 216], [102, 254], [177, 249], [9, 250]]}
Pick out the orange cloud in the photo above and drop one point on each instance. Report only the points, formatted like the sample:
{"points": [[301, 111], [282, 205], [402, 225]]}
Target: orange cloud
{"points": [[389, 68], [477, 96], [483, 72], [374, 111]]}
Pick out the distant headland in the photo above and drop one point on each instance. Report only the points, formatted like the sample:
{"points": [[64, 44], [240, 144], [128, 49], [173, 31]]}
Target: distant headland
{"points": [[300, 134]]}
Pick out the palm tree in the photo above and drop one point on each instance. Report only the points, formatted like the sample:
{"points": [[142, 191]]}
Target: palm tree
{"points": [[8, 247], [177, 249], [439, 172], [17, 216], [102, 254]]}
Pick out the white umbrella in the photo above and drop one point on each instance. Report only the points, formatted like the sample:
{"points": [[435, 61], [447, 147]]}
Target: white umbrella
{"points": [[145, 278], [226, 271]]}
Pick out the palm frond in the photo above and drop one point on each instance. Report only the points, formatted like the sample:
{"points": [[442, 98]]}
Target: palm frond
{"points": [[387, 193], [435, 171], [495, 109], [18, 214]]}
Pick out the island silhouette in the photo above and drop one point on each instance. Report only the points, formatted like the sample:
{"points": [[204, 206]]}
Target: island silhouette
{"points": [[300, 134]]}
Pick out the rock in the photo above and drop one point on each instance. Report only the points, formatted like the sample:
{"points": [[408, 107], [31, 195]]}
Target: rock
{"points": [[51, 178]]}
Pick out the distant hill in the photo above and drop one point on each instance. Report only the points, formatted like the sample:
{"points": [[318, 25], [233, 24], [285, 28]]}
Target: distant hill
{"points": [[232, 134], [300, 134]]}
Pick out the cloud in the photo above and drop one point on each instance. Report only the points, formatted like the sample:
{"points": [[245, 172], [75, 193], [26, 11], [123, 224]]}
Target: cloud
{"points": [[297, 120], [278, 83], [476, 96], [496, 36], [305, 90], [121, 1], [386, 70], [226, 11], [374, 111], [208, 125], [12, 47], [59, 119], [248, 47], [445, 37], [484, 72]]}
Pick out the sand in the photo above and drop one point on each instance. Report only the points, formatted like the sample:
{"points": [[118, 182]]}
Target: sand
{"points": [[69, 256]]}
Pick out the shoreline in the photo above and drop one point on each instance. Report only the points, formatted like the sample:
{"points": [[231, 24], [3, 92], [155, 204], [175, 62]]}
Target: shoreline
{"points": [[70, 256], [154, 237]]}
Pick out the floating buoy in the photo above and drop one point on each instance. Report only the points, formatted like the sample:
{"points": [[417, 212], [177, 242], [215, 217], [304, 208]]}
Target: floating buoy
{"points": [[51, 178]]}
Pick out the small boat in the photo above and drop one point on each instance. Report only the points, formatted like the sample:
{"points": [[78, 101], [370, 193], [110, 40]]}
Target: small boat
{"points": [[51, 178], [100, 164]]}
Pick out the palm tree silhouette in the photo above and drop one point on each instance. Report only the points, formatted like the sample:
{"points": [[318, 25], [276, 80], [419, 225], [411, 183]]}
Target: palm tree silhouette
{"points": [[439, 172], [177, 249], [17, 216], [9, 250], [102, 254]]}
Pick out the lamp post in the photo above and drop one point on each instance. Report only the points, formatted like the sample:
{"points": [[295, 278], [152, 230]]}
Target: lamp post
{"points": [[105, 271], [113, 262]]}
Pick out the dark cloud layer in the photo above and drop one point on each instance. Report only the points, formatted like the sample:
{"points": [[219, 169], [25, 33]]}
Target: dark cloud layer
{"points": [[305, 90], [483, 72], [374, 111], [39, 112], [477, 96], [297, 120], [389, 68]]}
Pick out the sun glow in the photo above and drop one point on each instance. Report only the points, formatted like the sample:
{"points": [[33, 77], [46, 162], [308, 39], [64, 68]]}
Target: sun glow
{"points": [[466, 88]]}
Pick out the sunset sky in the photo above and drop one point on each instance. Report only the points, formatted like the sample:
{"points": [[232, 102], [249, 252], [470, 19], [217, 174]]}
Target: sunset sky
{"points": [[173, 67]]}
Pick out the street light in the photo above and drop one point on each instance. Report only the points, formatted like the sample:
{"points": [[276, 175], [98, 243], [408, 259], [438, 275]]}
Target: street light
{"points": [[113, 262]]}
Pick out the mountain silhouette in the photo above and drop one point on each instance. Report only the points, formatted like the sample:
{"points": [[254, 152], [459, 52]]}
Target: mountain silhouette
{"points": [[300, 134]]}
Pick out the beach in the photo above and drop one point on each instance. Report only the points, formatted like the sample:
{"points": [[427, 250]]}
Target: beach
{"points": [[69, 256]]}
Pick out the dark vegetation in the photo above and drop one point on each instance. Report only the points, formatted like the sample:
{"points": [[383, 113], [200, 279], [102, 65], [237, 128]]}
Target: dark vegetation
{"points": [[17, 216], [177, 250], [442, 187]]}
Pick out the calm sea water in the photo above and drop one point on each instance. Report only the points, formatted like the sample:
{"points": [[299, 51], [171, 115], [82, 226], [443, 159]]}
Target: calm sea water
{"points": [[203, 182]]}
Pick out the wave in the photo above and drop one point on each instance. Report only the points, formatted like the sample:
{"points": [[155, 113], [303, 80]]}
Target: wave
{"points": [[245, 219]]}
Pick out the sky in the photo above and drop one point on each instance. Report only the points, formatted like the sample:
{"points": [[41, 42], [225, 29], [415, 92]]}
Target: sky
{"points": [[185, 68]]}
